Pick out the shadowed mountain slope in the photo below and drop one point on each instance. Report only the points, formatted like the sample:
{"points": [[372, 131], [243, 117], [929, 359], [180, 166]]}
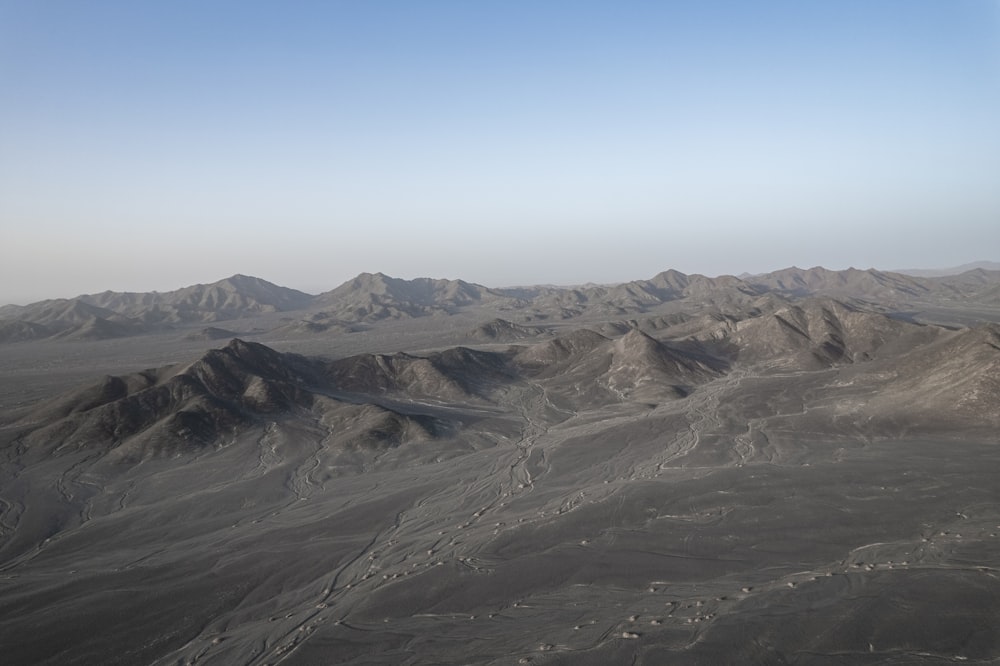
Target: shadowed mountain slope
{"points": [[184, 409], [173, 409], [21, 331], [177, 409]]}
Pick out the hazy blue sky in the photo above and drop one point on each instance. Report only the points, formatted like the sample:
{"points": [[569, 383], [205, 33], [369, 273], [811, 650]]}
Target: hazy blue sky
{"points": [[152, 145]]}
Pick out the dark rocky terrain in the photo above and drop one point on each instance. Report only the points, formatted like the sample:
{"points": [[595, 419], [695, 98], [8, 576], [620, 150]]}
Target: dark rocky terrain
{"points": [[799, 468]]}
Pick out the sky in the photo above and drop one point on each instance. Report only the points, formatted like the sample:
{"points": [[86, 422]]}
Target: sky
{"points": [[153, 145]]}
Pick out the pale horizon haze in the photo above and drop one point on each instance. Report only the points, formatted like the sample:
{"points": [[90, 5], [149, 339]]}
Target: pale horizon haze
{"points": [[150, 146]]}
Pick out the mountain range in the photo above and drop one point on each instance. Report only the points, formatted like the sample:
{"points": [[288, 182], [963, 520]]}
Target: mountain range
{"points": [[375, 297]]}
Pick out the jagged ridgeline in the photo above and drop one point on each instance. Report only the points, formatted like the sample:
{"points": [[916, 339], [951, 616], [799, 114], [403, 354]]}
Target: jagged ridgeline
{"points": [[185, 408], [510, 314]]}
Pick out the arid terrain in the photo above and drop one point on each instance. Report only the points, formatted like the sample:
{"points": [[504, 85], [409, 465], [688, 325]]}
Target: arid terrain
{"points": [[799, 467]]}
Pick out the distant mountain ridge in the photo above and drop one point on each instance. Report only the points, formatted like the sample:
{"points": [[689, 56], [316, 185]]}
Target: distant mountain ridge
{"points": [[954, 270], [229, 298], [117, 314], [853, 282], [373, 297]]}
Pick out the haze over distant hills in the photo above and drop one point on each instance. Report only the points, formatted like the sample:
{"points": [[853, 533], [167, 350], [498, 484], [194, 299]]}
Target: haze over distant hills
{"points": [[374, 297], [954, 270]]}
